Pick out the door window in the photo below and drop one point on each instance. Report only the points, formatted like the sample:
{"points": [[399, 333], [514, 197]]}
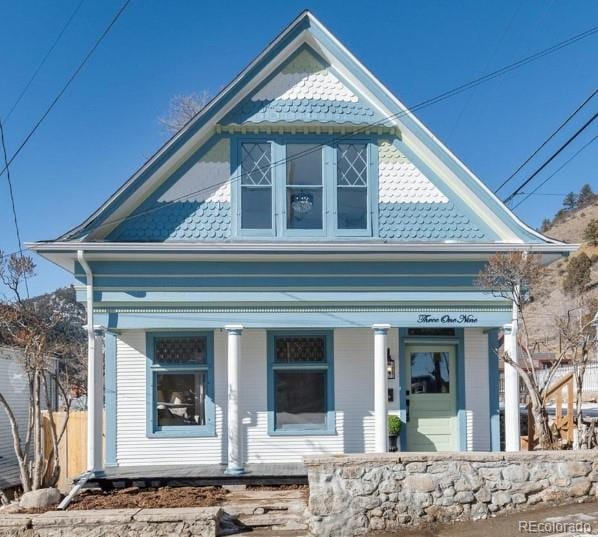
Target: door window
{"points": [[430, 372]]}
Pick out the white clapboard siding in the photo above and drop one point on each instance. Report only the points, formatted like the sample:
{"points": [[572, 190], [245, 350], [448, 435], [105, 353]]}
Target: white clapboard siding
{"points": [[353, 386], [477, 400], [133, 447], [13, 386]]}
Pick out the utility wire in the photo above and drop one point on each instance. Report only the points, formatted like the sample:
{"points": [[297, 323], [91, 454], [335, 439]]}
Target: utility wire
{"points": [[535, 191], [12, 201], [551, 158], [68, 83], [423, 104], [41, 64], [454, 91], [554, 133]]}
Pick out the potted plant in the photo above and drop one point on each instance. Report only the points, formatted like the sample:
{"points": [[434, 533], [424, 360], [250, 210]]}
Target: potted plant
{"points": [[394, 428]]}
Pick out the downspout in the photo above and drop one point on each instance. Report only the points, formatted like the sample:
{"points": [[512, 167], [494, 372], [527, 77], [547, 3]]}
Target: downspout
{"points": [[90, 361], [92, 453]]}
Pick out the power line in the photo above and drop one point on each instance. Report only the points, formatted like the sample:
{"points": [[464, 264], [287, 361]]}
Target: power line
{"points": [[535, 191], [12, 201], [567, 42], [551, 158], [41, 64], [68, 83], [423, 104], [554, 133]]}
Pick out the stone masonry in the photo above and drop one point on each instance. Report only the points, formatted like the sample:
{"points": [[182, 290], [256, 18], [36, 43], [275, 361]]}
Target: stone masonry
{"points": [[185, 522], [353, 494]]}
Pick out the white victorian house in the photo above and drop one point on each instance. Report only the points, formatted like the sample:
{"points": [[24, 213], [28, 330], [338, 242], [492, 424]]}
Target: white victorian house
{"points": [[292, 267]]}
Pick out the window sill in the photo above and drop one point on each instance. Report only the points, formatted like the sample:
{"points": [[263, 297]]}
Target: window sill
{"points": [[303, 432], [183, 432]]}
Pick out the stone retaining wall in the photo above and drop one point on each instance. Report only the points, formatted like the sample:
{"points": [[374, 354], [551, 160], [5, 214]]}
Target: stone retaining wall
{"points": [[195, 521], [350, 495]]}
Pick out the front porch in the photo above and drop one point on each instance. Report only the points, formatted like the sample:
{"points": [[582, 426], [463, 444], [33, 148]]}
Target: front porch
{"points": [[198, 475]]}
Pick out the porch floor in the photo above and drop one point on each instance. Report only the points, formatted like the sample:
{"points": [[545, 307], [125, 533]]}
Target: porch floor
{"points": [[200, 475]]}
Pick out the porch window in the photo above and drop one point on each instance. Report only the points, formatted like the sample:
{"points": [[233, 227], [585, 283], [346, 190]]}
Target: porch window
{"points": [[305, 189], [352, 186], [180, 380], [301, 383], [256, 186]]}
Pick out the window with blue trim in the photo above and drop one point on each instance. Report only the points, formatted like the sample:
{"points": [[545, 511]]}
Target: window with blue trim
{"points": [[352, 186], [181, 369], [301, 383], [304, 186], [256, 186]]}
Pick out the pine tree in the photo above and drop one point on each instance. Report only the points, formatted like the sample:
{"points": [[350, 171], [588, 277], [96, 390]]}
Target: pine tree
{"points": [[590, 233], [545, 225], [570, 201], [586, 195], [578, 275]]}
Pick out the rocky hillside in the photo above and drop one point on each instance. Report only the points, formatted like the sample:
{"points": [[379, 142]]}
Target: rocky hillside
{"points": [[569, 227]]}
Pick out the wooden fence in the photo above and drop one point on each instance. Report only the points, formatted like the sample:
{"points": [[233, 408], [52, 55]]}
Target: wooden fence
{"points": [[72, 452]]}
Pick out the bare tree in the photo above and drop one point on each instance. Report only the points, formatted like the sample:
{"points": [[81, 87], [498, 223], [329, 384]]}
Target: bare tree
{"points": [[520, 277], [182, 109], [578, 333], [35, 331]]}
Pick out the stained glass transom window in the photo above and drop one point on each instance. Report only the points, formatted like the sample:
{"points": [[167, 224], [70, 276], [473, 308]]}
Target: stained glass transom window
{"points": [[180, 350], [300, 349]]}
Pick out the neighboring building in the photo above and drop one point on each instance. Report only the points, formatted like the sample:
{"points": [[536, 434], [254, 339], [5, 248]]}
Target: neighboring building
{"points": [[15, 389], [300, 240]]}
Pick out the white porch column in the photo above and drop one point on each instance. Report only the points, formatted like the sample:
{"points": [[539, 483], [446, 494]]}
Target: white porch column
{"points": [[512, 424], [235, 441], [95, 405], [380, 387]]}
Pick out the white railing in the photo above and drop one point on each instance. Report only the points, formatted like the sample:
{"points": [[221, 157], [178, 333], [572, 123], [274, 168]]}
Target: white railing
{"points": [[590, 379]]}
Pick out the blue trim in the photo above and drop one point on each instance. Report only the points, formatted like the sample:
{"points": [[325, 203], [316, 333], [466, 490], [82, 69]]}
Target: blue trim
{"points": [[151, 370], [493, 382], [458, 342], [110, 397], [330, 426]]}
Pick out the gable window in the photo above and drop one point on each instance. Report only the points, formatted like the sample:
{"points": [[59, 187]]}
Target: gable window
{"points": [[256, 186], [300, 391], [304, 187], [180, 385], [352, 186]]}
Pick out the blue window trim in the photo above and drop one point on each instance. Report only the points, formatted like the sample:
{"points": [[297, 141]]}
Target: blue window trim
{"points": [[278, 143], [330, 427], [459, 342], [152, 430]]}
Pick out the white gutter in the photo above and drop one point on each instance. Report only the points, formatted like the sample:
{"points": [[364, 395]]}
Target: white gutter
{"points": [[94, 462], [284, 247]]}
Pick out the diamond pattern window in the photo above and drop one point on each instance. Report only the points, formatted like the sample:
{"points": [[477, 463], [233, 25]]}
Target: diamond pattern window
{"points": [[256, 186], [352, 186]]}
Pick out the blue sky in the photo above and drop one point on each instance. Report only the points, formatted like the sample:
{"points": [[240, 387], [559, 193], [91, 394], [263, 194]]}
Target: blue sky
{"points": [[106, 124]]}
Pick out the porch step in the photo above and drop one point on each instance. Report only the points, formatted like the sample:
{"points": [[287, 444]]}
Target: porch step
{"points": [[267, 510]]}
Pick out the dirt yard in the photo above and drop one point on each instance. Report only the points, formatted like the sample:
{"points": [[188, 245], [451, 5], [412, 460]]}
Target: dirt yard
{"points": [[151, 497]]}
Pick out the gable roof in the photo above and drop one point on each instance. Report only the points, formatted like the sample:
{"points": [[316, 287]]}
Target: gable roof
{"points": [[254, 85]]}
